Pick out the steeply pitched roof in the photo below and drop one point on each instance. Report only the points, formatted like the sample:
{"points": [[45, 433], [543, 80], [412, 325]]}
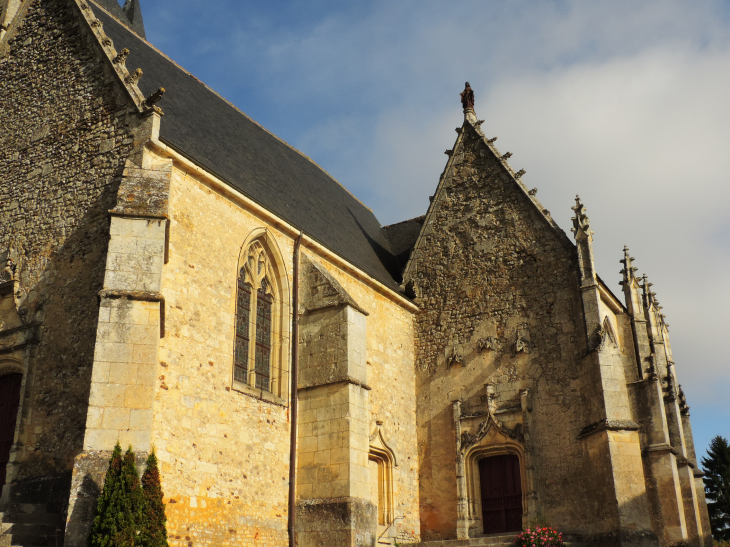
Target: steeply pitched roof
{"points": [[214, 134], [134, 15], [402, 236], [130, 15]]}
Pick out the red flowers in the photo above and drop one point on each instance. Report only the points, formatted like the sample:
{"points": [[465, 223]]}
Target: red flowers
{"points": [[540, 536]]}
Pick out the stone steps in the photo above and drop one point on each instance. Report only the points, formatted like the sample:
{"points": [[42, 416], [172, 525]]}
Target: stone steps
{"points": [[501, 540], [29, 525]]}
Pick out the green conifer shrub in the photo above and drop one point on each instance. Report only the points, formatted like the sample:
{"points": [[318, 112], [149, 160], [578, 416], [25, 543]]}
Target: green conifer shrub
{"points": [[716, 466], [154, 533], [121, 504]]}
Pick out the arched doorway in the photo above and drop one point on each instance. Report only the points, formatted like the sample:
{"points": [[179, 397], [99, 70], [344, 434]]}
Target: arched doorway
{"points": [[501, 493], [9, 402]]}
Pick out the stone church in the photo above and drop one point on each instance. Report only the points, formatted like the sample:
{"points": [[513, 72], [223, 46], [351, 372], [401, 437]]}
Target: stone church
{"points": [[175, 277]]}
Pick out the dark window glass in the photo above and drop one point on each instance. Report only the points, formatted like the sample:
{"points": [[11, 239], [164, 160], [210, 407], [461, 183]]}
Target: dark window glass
{"points": [[263, 338], [243, 319]]}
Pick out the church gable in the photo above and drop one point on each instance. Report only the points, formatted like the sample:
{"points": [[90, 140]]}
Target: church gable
{"points": [[497, 285], [487, 249]]}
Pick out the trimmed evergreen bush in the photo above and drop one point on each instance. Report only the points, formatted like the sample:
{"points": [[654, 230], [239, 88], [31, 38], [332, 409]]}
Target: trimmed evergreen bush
{"points": [[154, 533], [121, 507]]}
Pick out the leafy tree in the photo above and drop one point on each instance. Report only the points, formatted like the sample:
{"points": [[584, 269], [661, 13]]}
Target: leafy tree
{"points": [[120, 508], [154, 533], [717, 487]]}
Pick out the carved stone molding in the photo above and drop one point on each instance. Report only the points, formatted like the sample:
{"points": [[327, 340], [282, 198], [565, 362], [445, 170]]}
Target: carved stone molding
{"points": [[468, 440], [608, 425], [487, 343]]}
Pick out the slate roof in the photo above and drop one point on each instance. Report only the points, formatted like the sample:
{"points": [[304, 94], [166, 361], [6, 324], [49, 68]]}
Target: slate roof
{"points": [[402, 236], [130, 16], [211, 132]]}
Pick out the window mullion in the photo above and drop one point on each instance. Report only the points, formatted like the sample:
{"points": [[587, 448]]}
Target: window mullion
{"points": [[252, 339]]}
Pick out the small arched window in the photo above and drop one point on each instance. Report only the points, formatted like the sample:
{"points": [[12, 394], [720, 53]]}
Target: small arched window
{"points": [[258, 312]]}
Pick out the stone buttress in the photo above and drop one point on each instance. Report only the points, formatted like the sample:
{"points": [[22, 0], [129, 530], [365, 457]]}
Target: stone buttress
{"points": [[674, 484], [131, 323], [70, 122], [333, 496], [612, 449]]}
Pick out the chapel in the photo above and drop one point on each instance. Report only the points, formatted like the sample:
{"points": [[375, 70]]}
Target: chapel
{"points": [[176, 278]]}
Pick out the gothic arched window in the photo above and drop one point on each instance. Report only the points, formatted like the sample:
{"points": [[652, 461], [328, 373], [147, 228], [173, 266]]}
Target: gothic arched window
{"points": [[258, 312]]}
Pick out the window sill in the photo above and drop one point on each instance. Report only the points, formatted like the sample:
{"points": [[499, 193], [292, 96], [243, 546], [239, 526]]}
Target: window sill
{"points": [[259, 394]]}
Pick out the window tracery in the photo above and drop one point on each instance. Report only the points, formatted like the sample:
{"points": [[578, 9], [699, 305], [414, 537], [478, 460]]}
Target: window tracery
{"points": [[258, 303]]}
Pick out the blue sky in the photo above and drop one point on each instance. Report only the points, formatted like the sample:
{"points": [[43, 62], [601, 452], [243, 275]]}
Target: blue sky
{"points": [[623, 102]]}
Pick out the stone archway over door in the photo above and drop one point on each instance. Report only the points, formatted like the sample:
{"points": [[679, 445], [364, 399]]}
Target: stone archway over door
{"points": [[9, 402], [501, 490]]}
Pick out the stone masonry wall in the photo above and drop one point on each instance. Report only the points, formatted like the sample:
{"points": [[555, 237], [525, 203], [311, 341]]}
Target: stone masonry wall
{"points": [[224, 454], [391, 374], [490, 266], [66, 132]]}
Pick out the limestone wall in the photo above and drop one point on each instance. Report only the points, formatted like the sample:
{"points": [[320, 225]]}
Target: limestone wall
{"points": [[224, 453], [67, 129], [498, 287], [391, 374]]}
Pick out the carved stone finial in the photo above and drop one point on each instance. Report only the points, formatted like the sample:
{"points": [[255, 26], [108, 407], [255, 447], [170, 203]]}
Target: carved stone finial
{"points": [[479, 123], [533, 192], [649, 295], [449, 152], [134, 77], [492, 140], [491, 396], [629, 270], [96, 24], [506, 156], [154, 98], [107, 42], [121, 57], [519, 174], [581, 223], [467, 97]]}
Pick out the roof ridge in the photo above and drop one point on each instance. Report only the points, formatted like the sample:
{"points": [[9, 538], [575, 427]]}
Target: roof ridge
{"points": [[221, 97]]}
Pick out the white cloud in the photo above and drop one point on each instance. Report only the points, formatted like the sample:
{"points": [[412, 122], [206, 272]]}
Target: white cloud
{"points": [[623, 102]]}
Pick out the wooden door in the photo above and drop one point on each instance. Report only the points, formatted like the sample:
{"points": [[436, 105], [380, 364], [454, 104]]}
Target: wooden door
{"points": [[9, 402], [501, 494]]}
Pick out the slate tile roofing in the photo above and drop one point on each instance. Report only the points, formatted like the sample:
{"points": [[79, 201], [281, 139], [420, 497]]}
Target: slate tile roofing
{"points": [[130, 15], [215, 135]]}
